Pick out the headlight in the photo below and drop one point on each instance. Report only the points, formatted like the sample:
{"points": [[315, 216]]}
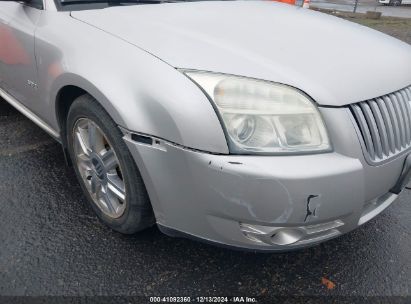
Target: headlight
{"points": [[264, 117]]}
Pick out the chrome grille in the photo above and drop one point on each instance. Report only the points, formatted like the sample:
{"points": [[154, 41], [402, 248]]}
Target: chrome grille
{"points": [[385, 124]]}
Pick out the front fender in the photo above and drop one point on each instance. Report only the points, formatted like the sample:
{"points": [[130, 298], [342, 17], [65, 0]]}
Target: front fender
{"points": [[139, 91]]}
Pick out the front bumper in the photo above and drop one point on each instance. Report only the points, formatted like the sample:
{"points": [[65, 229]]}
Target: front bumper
{"points": [[266, 203]]}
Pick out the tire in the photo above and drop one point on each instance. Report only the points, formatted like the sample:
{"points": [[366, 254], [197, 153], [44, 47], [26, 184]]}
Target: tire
{"points": [[395, 2], [104, 161]]}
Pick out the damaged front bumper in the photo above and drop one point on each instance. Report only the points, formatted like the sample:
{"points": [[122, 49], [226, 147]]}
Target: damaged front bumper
{"points": [[257, 202]]}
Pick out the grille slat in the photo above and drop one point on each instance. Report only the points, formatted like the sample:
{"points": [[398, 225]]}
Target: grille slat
{"points": [[381, 126], [385, 124], [364, 129], [373, 128], [395, 123], [407, 103], [408, 92], [406, 116], [399, 119], [388, 124]]}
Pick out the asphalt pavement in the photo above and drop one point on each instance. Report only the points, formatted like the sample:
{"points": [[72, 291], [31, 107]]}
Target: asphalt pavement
{"points": [[51, 243], [403, 11]]}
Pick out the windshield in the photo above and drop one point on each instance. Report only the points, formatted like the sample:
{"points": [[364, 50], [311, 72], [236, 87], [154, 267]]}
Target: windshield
{"points": [[73, 5]]}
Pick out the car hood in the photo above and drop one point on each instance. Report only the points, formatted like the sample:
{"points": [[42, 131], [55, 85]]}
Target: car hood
{"points": [[334, 61]]}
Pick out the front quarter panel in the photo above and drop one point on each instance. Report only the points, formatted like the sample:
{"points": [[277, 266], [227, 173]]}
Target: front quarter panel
{"points": [[138, 90]]}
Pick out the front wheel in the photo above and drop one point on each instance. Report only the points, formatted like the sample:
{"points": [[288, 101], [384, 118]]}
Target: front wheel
{"points": [[105, 168]]}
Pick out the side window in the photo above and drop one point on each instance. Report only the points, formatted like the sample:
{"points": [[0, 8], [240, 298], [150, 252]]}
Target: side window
{"points": [[35, 3]]}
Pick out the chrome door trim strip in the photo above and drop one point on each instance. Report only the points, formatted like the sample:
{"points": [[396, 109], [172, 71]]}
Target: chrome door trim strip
{"points": [[30, 115]]}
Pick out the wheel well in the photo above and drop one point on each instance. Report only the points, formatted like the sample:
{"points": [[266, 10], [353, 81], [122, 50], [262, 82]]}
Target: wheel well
{"points": [[65, 99]]}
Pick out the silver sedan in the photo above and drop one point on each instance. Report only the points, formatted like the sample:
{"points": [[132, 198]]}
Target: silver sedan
{"points": [[248, 124]]}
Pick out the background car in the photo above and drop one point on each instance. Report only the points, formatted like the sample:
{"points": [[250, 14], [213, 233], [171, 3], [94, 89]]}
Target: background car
{"points": [[395, 2]]}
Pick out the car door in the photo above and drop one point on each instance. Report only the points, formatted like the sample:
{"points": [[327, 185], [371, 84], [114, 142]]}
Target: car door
{"points": [[17, 57], [5, 9]]}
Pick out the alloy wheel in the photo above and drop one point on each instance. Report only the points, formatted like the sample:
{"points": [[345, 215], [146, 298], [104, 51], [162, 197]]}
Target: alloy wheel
{"points": [[99, 168]]}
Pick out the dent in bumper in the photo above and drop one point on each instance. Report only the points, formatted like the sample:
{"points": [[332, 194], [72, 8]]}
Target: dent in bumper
{"points": [[211, 196]]}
